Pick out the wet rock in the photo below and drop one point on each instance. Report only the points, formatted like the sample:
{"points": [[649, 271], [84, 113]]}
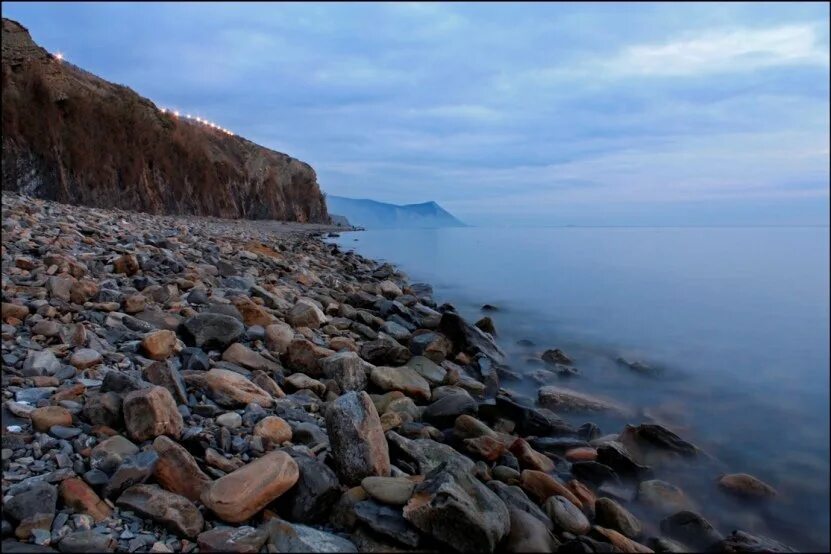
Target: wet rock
{"points": [[177, 470], [530, 458], [528, 534], [347, 369], [691, 529], [359, 448], [389, 490], [432, 346], [541, 486], [427, 368], [387, 521], [447, 502], [663, 497], [567, 400], [615, 455], [612, 515], [232, 390], [401, 379], [740, 541], [44, 418], [556, 356], [241, 494], [468, 338], [516, 500], [619, 541], [242, 540], [646, 440], [293, 537], [745, 486], [488, 448], [80, 497], [566, 516], [594, 472], [175, 512], [151, 412], [208, 330], [316, 491]]}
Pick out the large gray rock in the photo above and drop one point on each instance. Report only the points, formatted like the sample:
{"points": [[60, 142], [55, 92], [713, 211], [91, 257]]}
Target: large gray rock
{"points": [[316, 491], [293, 537], [691, 529], [359, 447], [208, 330], [171, 510], [458, 510], [347, 369]]}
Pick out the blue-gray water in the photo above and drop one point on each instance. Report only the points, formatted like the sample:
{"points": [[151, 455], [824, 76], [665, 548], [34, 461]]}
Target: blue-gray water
{"points": [[737, 318]]}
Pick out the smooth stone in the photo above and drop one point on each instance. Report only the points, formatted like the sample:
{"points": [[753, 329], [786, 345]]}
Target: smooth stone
{"points": [[177, 470], [612, 515], [566, 515], [231, 420], [389, 490], [359, 448], [691, 529], [745, 486]]}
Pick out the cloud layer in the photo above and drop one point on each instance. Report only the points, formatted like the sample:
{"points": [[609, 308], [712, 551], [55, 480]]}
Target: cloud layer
{"points": [[503, 113]]}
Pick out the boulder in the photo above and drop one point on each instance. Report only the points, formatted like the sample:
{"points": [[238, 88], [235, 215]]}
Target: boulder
{"points": [[211, 330], [316, 491], [159, 345], [241, 494], [151, 412], [402, 379], [175, 512], [80, 497], [359, 448], [273, 429], [177, 470], [230, 389], [347, 369], [745, 486], [305, 313], [566, 516], [278, 335], [612, 515]]}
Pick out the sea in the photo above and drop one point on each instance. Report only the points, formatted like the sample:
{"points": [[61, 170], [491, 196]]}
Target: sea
{"points": [[730, 324]]}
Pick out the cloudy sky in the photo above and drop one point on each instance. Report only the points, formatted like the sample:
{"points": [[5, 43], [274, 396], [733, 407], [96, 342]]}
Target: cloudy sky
{"points": [[530, 114]]}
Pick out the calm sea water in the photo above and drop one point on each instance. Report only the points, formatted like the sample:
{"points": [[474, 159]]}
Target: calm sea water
{"points": [[737, 319]]}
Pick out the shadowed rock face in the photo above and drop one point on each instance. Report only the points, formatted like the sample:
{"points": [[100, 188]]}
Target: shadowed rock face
{"points": [[75, 138]]}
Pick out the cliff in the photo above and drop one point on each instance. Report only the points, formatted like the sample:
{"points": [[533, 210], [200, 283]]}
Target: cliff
{"points": [[380, 215], [73, 137]]}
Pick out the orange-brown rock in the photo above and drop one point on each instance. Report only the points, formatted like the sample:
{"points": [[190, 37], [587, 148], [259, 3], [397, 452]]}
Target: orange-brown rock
{"points": [[745, 485], [14, 310], [241, 494], [581, 491], [151, 412], [581, 454], [252, 314], [177, 471], [79, 496], [621, 542], [274, 429], [82, 291], [486, 447], [269, 385], [303, 355], [127, 264], [232, 390], [159, 345], [541, 486], [530, 458], [46, 417]]}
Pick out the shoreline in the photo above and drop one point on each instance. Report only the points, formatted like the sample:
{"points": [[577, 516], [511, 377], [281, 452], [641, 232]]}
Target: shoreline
{"points": [[284, 356]]}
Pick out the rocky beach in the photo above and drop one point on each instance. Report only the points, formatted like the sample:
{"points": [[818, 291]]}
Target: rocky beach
{"points": [[194, 384]]}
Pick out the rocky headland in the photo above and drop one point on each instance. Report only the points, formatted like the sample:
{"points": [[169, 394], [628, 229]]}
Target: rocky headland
{"points": [[191, 384]]}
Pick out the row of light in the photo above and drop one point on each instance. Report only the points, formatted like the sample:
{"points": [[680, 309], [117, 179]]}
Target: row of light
{"points": [[175, 113]]}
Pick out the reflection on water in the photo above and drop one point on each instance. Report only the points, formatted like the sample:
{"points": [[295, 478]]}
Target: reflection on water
{"points": [[735, 321]]}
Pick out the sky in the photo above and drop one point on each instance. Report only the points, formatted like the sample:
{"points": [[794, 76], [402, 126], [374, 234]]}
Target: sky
{"points": [[505, 114]]}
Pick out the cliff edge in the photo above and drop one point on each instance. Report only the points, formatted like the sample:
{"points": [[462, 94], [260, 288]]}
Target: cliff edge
{"points": [[73, 137]]}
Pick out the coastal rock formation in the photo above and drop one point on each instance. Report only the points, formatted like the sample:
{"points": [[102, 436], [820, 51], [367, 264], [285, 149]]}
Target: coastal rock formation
{"points": [[273, 429], [73, 137]]}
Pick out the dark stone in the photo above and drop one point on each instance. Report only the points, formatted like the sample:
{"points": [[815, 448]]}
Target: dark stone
{"points": [[39, 498], [615, 456], [165, 375], [316, 491], [195, 358], [104, 409], [659, 438], [387, 521], [468, 338], [594, 472], [739, 541], [87, 541], [121, 382], [212, 330], [135, 469], [443, 412], [556, 356], [691, 529]]}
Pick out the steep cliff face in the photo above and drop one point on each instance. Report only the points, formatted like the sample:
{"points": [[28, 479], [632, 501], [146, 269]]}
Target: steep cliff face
{"points": [[75, 138]]}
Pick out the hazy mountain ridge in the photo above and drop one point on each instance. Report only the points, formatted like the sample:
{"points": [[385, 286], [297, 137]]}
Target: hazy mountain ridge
{"points": [[73, 137], [374, 214]]}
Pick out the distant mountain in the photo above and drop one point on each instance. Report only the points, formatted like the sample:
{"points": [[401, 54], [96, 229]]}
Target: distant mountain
{"points": [[380, 215]]}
